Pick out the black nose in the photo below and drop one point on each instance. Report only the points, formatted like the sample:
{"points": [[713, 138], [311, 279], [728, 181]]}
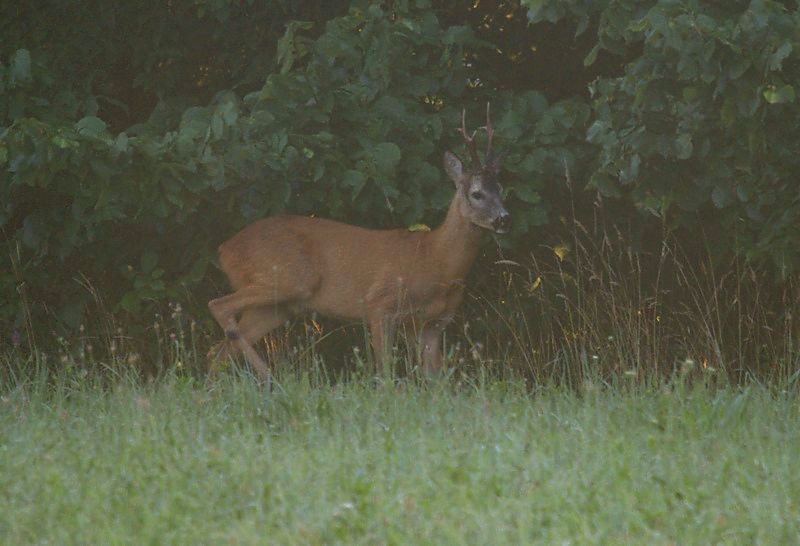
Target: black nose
{"points": [[502, 222]]}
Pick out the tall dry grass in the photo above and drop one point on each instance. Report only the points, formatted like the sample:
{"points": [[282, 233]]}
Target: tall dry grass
{"points": [[590, 307], [594, 306]]}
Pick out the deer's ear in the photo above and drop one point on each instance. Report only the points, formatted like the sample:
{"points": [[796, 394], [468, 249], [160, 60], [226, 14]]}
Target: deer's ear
{"points": [[453, 167]]}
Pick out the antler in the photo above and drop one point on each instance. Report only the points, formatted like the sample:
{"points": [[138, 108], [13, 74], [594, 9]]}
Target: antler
{"points": [[489, 134], [469, 140], [493, 160]]}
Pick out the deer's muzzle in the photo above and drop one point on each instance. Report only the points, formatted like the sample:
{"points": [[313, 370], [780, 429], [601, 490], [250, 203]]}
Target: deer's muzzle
{"points": [[502, 223]]}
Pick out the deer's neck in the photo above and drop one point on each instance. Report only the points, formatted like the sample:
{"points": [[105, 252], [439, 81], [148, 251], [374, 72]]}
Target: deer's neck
{"points": [[455, 242]]}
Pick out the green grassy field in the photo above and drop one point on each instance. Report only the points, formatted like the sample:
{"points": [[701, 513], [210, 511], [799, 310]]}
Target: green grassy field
{"points": [[173, 462]]}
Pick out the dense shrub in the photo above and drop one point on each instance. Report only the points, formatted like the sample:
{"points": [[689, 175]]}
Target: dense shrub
{"points": [[134, 137]]}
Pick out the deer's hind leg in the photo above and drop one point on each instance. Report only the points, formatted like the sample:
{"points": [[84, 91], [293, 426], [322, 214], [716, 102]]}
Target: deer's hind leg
{"points": [[258, 296], [254, 324]]}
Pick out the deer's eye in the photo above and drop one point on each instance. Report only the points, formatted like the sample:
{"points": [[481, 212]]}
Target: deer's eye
{"points": [[477, 196]]}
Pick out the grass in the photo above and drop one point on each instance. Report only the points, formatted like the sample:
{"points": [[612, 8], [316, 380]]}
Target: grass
{"points": [[366, 462]]}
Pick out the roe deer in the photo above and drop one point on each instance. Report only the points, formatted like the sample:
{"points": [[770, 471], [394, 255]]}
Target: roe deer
{"points": [[285, 265]]}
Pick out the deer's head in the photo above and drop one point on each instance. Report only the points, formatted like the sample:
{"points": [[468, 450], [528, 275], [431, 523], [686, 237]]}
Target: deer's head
{"points": [[479, 193]]}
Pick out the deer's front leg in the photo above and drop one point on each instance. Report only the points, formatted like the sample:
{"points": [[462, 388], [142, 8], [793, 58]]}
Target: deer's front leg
{"points": [[430, 341], [381, 331]]}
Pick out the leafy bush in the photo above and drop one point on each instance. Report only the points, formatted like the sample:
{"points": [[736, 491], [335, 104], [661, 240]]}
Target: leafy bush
{"points": [[700, 126], [136, 138], [348, 126]]}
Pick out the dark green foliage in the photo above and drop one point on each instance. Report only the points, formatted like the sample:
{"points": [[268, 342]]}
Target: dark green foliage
{"points": [[134, 137], [702, 126]]}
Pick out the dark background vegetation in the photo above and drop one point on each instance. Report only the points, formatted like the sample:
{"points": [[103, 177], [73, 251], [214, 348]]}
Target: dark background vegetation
{"points": [[653, 162]]}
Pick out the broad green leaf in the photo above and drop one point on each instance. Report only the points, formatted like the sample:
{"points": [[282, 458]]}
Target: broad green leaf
{"points": [[194, 123], [386, 156], [90, 126], [62, 142], [458, 35], [721, 197], [754, 212], [596, 131], [102, 168], [604, 184], [743, 193], [355, 180], [20, 70], [534, 7], [779, 95], [229, 112], [526, 193], [592, 56], [31, 228], [217, 126], [583, 24], [319, 171], [738, 67], [684, 146], [292, 47], [631, 172], [543, 10], [426, 173], [198, 271], [121, 143], [777, 58], [533, 163], [148, 261], [513, 124], [690, 93], [728, 112], [278, 140], [130, 302]]}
